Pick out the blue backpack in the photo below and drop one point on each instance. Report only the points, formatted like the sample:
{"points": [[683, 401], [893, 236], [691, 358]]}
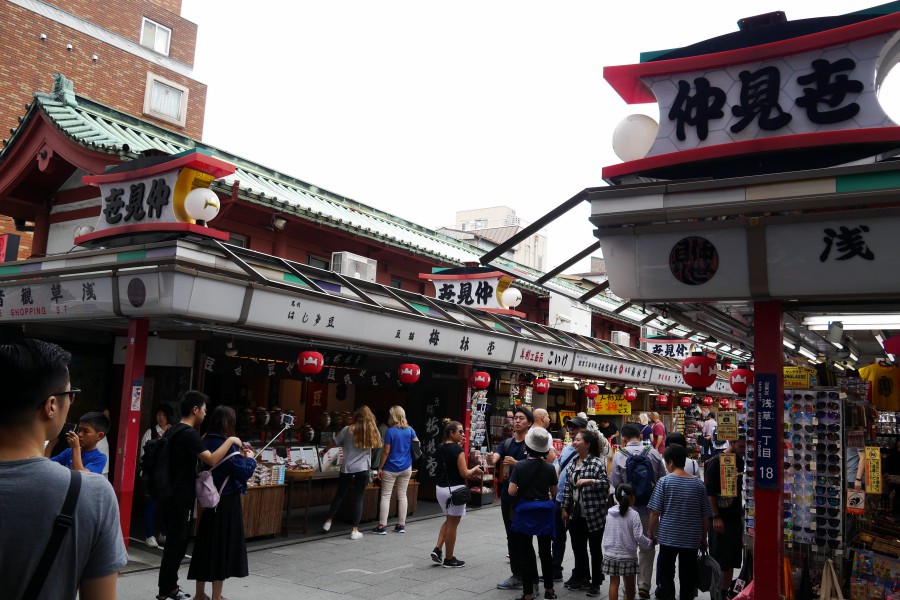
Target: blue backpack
{"points": [[640, 474]]}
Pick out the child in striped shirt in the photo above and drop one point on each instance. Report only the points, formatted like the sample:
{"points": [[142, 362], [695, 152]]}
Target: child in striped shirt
{"points": [[622, 536]]}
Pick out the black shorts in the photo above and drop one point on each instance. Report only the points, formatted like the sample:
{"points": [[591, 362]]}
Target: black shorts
{"points": [[728, 548]]}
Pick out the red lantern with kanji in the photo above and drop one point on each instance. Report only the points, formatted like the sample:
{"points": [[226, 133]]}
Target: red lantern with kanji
{"points": [[723, 403], [707, 401], [310, 362], [541, 386], [481, 380], [591, 391], [739, 379], [699, 371], [685, 401], [631, 394], [409, 373], [662, 400], [739, 405]]}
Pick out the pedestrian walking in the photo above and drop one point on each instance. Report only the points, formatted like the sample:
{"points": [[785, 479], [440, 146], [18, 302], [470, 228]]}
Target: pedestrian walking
{"points": [[679, 521], [534, 481], [357, 442], [726, 537], [622, 537], [453, 473], [646, 429], [505, 456], [575, 426], [395, 469], [690, 465], [220, 550], [164, 418], [585, 505]]}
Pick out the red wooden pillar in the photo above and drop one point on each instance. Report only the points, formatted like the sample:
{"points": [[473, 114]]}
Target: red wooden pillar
{"points": [[768, 525], [130, 421]]}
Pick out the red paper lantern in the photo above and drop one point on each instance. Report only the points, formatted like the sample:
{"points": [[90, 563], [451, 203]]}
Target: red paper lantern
{"points": [[685, 401], [662, 400], [739, 405], [723, 403], [631, 394], [541, 386], [591, 391], [481, 380], [310, 362], [409, 372], [699, 371], [707, 401], [739, 379]]}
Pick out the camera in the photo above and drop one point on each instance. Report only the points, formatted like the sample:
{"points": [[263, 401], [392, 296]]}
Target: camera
{"points": [[287, 420]]}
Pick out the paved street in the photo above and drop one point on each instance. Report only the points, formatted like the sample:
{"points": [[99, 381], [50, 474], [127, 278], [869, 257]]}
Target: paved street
{"points": [[393, 566]]}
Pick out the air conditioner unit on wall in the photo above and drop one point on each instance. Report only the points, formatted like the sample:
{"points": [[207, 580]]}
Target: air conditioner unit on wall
{"points": [[354, 265], [621, 338]]}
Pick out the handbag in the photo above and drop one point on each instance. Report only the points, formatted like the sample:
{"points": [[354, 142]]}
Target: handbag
{"points": [[415, 450], [831, 585], [709, 574], [208, 495], [458, 497]]}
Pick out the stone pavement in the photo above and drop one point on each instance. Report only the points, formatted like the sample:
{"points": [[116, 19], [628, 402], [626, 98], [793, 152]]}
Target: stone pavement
{"points": [[393, 566]]}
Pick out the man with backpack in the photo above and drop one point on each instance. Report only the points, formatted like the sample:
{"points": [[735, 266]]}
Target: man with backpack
{"points": [[169, 470], [641, 467]]}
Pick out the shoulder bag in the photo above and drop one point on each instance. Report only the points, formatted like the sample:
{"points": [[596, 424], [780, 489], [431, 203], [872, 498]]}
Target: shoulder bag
{"points": [[533, 517], [459, 496]]}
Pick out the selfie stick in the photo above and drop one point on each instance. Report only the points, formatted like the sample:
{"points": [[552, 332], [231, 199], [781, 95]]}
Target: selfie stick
{"points": [[275, 437]]}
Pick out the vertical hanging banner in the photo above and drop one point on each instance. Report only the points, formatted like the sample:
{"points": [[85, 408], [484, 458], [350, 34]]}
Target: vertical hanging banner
{"points": [[873, 470], [768, 439], [728, 475]]}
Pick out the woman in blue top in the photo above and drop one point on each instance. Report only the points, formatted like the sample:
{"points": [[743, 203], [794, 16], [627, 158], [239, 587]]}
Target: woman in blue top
{"points": [[395, 468], [220, 550]]}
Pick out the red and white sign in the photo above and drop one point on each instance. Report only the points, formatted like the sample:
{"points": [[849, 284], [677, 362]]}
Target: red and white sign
{"points": [[473, 287]]}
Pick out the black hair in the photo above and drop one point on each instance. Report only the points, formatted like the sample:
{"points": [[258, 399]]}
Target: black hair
{"points": [[528, 414], [630, 431], [31, 370], [623, 491], [677, 455], [169, 412], [190, 399], [222, 421], [676, 437], [97, 420], [450, 427], [592, 440]]}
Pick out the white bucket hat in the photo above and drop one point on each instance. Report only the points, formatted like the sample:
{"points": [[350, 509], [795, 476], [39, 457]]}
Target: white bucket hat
{"points": [[538, 440]]}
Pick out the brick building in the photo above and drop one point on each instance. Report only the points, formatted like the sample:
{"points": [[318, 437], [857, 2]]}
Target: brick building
{"points": [[134, 56]]}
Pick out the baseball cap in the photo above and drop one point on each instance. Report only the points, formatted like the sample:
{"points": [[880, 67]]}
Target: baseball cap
{"points": [[577, 423]]}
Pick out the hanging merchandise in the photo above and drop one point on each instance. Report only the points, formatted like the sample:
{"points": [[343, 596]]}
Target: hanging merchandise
{"points": [[481, 380], [699, 371], [310, 362], [409, 373]]}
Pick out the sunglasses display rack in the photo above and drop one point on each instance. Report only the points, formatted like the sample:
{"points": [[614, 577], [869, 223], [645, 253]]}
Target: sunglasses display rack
{"points": [[887, 429]]}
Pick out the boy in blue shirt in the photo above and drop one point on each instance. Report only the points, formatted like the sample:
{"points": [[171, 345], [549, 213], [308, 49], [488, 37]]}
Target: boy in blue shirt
{"points": [[82, 453]]}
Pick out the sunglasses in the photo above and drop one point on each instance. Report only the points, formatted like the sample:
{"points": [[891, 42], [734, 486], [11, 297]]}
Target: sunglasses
{"points": [[72, 394], [832, 395], [823, 447], [828, 405], [827, 491], [832, 469], [830, 543], [823, 480], [799, 426], [800, 457], [826, 522], [809, 439], [831, 436], [829, 416], [829, 458], [820, 501], [831, 512]]}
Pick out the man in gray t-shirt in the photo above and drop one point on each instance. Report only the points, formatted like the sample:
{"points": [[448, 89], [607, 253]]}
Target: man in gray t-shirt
{"points": [[37, 395]]}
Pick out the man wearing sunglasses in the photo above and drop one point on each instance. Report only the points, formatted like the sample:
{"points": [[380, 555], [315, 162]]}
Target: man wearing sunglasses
{"points": [[36, 399], [726, 534]]}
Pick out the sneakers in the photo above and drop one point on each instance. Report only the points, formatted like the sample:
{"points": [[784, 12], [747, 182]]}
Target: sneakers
{"points": [[453, 563], [356, 535], [644, 594], [380, 530], [399, 528], [177, 594], [326, 526], [510, 583], [436, 555], [151, 541], [593, 591], [574, 584]]}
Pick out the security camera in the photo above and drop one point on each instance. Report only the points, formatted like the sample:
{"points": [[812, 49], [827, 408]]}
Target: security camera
{"points": [[43, 37], [95, 58], [69, 47]]}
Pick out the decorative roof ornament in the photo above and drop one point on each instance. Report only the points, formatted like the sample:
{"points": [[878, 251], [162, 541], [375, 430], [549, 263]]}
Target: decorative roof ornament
{"points": [[64, 90]]}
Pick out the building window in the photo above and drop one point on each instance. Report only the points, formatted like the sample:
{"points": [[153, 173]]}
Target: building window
{"points": [[165, 100], [237, 240], [318, 262], [396, 283], [155, 36]]}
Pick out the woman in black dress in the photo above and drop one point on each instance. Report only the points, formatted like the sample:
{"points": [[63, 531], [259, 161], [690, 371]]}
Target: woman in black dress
{"points": [[220, 550]]}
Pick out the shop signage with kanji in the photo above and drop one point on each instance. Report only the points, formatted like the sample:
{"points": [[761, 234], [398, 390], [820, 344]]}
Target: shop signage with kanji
{"points": [[677, 349], [727, 425], [617, 370], [610, 404], [548, 357], [728, 475], [471, 287], [65, 299], [873, 470], [768, 437]]}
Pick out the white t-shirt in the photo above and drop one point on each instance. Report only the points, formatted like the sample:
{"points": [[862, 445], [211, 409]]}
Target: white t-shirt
{"points": [[103, 447]]}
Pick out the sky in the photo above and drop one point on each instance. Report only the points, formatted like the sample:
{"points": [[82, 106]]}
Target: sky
{"points": [[423, 108]]}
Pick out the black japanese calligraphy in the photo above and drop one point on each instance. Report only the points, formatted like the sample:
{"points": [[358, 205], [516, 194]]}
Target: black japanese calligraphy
{"points": [[26, 296], [87, 291], [135, 208], [158, 198], [484, 292], [850, 243], [829, 89], [446, 292], [759, 98], [56, 293], [435, 337], [697, 110], [465, 294], [114, 205]]}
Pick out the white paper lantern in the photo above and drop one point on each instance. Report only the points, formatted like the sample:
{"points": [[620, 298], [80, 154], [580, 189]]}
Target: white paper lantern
{"points": [[511, 297], [634, 136], [202, 204]]}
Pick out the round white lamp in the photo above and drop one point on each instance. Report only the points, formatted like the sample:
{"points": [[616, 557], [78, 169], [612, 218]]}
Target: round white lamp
{"points": [[634, 136], [202, 205], [511, 297]]}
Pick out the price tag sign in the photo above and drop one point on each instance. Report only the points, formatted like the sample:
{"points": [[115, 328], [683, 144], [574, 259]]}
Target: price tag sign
{"points": [[768, 438], [873, 470], [728, 475]]}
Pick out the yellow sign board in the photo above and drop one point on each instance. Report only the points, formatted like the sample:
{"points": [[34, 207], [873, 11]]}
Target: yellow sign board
{"points": [[798, 378], [727, 425], [873, 470], [610, 404], [728, 475]]}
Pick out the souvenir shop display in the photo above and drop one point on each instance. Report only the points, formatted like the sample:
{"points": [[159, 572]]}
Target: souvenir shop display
{"points": [[478, 422]]}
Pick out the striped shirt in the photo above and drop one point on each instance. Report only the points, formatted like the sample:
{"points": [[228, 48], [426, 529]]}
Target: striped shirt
{"points": [[682, 504]]}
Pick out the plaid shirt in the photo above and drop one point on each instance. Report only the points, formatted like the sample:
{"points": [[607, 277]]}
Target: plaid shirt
{"points": [[593, 497]]}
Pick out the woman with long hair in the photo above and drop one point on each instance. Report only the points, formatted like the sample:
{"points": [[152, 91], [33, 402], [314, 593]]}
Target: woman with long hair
{"points": [[452, 473], [395, 469], [357, 442], [220, 550], [584, 500]]}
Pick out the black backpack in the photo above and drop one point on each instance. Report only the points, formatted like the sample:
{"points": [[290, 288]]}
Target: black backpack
{"points": [[156, 470], [640, 474]]}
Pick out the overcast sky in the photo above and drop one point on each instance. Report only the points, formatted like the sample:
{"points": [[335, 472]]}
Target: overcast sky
{"points": [[422, 108]]}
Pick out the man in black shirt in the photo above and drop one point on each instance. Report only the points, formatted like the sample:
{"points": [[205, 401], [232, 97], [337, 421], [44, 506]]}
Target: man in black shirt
{"points": [[609, 430], [726, 534], [185, 447]]}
